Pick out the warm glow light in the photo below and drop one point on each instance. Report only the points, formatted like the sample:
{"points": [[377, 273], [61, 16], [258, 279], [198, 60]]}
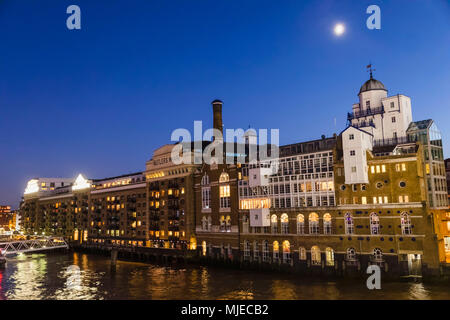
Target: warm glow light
{"points": [[32, 186], [81, 183], [339, 29]]}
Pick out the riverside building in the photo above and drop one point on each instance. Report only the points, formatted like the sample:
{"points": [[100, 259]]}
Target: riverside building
{"points": [[374, 194]]}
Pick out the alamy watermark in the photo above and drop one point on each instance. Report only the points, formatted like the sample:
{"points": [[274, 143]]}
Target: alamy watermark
{"points": [[250, 146]]}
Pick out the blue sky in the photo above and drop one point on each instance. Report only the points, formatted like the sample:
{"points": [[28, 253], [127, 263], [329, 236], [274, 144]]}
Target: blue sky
{"points": [[99, 100]]}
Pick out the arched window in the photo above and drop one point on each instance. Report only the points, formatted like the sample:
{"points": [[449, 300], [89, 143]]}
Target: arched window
{"points": [[329, 256], [374, 223], [405, 223], [274, 223], [265, 251], [302, 253], [228, 224], [276, 251], [205, 180], [284, 223], [300, 224], [224, 177], [204, 248], [204, 224], [255, 250], [327, 223], [313, 223], [246, 250], [349, 226], [315, 255], [377, 255], [286, 252], [351, 254]]}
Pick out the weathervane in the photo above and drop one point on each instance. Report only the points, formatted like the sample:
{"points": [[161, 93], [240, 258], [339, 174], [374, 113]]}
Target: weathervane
{"points": [[369, 67]]}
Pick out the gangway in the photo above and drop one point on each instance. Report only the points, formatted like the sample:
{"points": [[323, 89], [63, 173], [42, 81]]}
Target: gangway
{"points": [[32, 245]]}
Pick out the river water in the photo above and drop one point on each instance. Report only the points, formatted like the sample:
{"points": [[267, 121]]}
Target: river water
{"points": [[51, 276]]}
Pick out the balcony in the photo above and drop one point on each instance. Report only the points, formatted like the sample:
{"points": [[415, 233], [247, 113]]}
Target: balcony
{"points": [[365, 113]]}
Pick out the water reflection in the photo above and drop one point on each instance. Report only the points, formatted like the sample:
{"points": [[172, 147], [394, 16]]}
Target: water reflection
{"points": [[50, 276]]}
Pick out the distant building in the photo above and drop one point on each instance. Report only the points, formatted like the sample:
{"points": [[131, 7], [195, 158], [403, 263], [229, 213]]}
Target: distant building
{"points": [[7, 220]]}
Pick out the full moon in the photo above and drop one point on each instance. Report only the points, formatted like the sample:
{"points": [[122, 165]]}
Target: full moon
{"points": [[339, 29]]}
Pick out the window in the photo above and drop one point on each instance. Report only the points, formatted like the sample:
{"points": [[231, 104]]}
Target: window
{"points": [[286, 252], [313, 223], [377, 255], [315, 255], [351, 137], [300, 224], [372, 169], [265, 251], [329, 257], [383, 168], [302, 253], [349, 226], [228, 224], [246, 251], [351, 254], [363, 200], [352, 152], [206, 197], [393, 119], [225, 196], [353, 169], [374, 223], [224, 177], [284, 223], [392, 105], [327, 223], [274, 223], [405, 223], [255, 250], [276, 251]]}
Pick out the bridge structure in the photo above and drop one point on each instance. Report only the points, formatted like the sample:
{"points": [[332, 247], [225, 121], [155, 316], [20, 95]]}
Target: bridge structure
{"points": [[32, 245]]}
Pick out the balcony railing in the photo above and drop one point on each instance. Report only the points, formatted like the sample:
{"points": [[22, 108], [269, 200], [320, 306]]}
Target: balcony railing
{"points": [[365, 113], [393, 141]]}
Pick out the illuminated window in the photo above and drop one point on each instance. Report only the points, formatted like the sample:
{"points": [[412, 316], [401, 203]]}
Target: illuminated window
{"points": [[315, 255], [383, 168], [284, 223], [329, 257], [286, 252], [403, 166], [313, 221], [224, 177], [225, 196], [300, 224], [372, 169], [274, 223], [327, 223], [378, 169], [364, 200], [276, 251]]}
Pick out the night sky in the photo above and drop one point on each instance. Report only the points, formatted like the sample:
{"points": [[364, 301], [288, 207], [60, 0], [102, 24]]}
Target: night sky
{"points": [[99, 100]]}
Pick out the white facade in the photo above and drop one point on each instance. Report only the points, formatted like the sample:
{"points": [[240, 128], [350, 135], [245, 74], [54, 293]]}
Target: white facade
{"points": [[355, 144]]}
